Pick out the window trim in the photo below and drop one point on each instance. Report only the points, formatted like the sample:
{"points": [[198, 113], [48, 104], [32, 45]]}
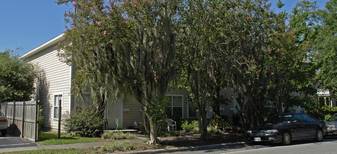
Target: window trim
{"points": [[182, 103], [62, 102]]}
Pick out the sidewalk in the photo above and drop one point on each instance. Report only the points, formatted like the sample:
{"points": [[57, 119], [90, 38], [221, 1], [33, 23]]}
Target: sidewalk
{"points": [[63, 146]]}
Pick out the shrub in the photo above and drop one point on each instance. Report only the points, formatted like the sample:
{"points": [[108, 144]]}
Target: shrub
{"points": [[192, 126], [85, 123], [328, 109], [118, 135], [328, 117]]}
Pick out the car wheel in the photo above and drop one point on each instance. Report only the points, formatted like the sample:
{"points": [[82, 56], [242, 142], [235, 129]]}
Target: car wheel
{"points": [[286, 139], [319, 135], [3, 132]]}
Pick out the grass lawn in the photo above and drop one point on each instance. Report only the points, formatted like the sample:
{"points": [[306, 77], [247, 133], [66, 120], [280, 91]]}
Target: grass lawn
{"points": [[48, 138], [107, 147]]}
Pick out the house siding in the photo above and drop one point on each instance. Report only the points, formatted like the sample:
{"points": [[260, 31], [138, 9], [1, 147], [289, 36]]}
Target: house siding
{"points": [[132, 112], [57, 76]]}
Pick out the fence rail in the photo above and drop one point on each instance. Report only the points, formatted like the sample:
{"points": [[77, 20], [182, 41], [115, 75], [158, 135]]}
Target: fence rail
{"points": [[22, 118]]}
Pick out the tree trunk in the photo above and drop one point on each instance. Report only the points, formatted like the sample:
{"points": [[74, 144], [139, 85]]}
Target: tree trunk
{"points": [[146, 124], [203, 124], [153, 130]]}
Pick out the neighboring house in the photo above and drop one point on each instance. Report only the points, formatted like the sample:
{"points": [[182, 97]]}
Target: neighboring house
{"points": [[324, 97], [56, 83]]}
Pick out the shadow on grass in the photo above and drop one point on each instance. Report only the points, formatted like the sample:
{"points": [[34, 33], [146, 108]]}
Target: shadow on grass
{"points": [[50, 135], [50, 138]]}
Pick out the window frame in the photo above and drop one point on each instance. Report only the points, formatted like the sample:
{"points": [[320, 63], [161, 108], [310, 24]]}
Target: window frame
{"points": [[56, 105], [171, 106]]}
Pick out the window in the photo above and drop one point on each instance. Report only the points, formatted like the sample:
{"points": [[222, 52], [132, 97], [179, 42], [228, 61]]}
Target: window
{"points": [[175, 107], [307, 118], [57, 102]]}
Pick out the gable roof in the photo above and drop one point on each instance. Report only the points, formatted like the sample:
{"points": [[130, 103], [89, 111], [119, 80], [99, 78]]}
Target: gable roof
{"points": [[43, 46]]}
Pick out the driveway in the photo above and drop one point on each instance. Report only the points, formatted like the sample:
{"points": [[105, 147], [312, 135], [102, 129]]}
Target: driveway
{"points": [[12, 142]]}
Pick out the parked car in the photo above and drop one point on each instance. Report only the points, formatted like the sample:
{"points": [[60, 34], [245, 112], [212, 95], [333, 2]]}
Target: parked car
{"points": [[332, 125], [3, 124], [288, 127]]}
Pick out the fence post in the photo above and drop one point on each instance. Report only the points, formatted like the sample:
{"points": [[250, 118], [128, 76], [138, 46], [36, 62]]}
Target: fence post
{"points": [[23, 119], [13, 115], [6, 106], [36, 129]]}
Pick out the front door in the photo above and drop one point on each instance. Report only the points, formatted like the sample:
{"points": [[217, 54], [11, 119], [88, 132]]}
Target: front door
{"points": [[114, 115]]}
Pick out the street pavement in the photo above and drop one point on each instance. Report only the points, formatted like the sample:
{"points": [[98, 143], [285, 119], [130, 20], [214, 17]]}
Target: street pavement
{"points": [[329, 146]]}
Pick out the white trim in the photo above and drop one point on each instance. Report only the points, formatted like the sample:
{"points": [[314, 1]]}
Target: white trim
{"points": [[70, 91], [62, 99], [43, 46]]}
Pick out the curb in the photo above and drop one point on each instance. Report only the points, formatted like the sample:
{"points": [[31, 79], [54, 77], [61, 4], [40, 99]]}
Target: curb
{"points": [[176, 149]]}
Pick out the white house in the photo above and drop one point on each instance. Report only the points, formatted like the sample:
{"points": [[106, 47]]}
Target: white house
{"points": [[57, 85], [324, 97]]}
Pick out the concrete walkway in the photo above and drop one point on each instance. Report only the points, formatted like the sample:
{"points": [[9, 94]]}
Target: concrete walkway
{"points": [[13, 142]]}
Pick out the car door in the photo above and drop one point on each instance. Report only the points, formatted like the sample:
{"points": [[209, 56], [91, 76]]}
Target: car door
{"points": [[298, 127], [310, 126], [295, 126]]}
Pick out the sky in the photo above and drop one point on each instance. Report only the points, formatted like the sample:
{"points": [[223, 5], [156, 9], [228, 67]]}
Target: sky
{"points": [[26, 24]]}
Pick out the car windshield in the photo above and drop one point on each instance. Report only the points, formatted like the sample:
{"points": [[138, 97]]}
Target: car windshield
{"points": [[281, 118], [286, 117]]}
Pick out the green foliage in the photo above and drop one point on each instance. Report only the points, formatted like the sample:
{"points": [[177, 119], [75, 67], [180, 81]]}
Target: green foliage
{"points": [[118, 135], [85, 123], [263, 58], [128, 47], [279, 4], [328, 109], [328, 117], [192, 126], [16, 78], [326, 49]]}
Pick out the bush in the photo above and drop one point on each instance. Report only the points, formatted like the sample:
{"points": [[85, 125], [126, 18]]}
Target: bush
{"points": [[118, 135], [328, 117], [192, 126], [85, 123], [328, 109], [213, 130]]}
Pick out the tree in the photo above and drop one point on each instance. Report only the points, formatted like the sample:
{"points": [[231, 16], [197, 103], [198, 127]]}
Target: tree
{"points": [[16, 78], [150, 62], [92, 44], [128, 44], [243, 46], [203, 51], [326, 49]]}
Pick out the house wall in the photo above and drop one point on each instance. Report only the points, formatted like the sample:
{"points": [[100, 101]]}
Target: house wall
{"points": [[132, 112], [57, 81], [57, 77]]}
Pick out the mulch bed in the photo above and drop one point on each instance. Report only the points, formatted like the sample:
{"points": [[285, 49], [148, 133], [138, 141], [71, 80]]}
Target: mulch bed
{"points": [[194, 140]]}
